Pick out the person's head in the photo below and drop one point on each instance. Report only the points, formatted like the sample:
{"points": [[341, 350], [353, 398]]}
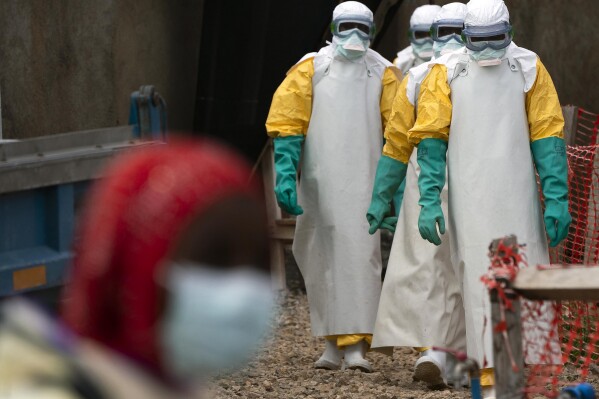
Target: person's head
{"points": [[353, 29], [447, 28], [420, 31], [172, 260], [487, 32]]}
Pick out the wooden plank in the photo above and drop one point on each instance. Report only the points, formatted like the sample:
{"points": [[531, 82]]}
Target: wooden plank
{"points": [[576, 283], [273, 213], [277, 260], [284, 234], [509, 383], [571, 121], [507, 344], [285, 222]]}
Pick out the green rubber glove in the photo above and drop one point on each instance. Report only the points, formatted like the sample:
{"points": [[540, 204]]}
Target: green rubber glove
{"points": [[390, 173], [287, 155], [432, 160], [551, 162]]}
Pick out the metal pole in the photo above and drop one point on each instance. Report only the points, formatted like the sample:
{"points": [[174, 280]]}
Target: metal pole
{"points": [[507, 331]]}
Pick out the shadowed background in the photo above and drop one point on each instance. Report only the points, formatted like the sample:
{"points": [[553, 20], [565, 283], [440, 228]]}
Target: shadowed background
{"points": [[69, 65]]}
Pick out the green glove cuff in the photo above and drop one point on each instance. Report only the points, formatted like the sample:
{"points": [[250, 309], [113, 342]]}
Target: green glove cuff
{"points": [[432, 160], [552, 164], [287, 151]]}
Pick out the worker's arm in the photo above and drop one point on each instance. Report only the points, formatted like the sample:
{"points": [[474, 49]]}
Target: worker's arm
{"points": [[431, 134], [390, 82], [434, 107], [287, 123], [401, 119], [291, 105], [545, 118], [546, 124], [392, 166]]}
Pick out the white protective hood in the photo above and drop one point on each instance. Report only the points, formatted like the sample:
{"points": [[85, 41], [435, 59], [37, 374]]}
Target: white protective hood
{"points": [[486, 12]]}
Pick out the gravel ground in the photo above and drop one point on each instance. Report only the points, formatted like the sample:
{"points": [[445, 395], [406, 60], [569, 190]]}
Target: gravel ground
{"points": [[285, 368]]}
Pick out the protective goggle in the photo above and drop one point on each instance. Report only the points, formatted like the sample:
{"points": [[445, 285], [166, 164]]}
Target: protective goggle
{"points": [[346, 26], [420, 34], [497, 37], [445, 30]]}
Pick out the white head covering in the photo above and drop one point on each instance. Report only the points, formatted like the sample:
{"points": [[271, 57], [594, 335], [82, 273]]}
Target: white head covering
{"points": [[456, 11], [486, 13], [424, 15], [349, 9]]}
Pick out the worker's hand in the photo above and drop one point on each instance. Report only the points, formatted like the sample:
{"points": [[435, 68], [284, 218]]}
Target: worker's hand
{"points": [[287, 199], [376, 216], [389, 223], [378, 221], [557, 221], [430, 217]]}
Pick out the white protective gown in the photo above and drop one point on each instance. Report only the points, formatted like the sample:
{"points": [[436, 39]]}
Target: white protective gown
{"points": [[421, 303], [492, 187], [340, 261]]}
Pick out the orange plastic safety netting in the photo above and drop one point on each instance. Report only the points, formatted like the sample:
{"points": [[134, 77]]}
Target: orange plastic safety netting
{"points": [[560, 340], [573, 333]]}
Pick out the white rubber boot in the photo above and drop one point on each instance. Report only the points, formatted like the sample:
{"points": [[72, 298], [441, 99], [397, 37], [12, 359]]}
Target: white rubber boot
{"points": [[430, 368], [488, 392], [331, 358], [354, 357]]}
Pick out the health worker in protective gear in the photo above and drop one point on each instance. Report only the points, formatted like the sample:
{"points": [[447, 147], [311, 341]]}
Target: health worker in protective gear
{"points": [[491, 114], [421, 304], [418, 52], [420, 49], [330, 112]]}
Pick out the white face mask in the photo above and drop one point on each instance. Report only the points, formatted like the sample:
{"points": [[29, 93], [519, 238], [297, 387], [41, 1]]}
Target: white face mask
{"points": [[483, 57], [424, 51], [450, 46], [215, 319], [352, 47]]}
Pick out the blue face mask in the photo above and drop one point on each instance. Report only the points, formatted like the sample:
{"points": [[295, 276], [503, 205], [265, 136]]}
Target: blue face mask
{"points": [[215, 319], [351, 47], [424, 51], [451, 45]]}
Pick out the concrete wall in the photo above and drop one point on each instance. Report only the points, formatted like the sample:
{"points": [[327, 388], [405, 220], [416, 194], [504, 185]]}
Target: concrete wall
{"points": [[563, 33], [71, 65]]}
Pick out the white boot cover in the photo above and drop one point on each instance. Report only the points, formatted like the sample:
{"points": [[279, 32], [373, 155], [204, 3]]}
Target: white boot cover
{"points": [[331, 358], [354, 357], [430, 368]]}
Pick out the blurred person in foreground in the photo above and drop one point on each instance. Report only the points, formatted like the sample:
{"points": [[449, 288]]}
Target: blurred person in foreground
{"points": [[169, 285]]}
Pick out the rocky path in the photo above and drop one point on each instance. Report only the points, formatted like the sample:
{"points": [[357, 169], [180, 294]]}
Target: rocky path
{"points": [[284, 370]]}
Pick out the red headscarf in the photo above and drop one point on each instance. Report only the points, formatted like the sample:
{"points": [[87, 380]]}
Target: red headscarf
{"points": [[133, 217]]}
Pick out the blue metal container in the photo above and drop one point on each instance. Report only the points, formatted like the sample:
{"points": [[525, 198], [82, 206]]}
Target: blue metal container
{"points": [[42, 184]]}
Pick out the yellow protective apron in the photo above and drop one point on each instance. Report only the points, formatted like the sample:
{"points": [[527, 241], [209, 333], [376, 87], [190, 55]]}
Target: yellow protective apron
{"points": [[339, 260]]}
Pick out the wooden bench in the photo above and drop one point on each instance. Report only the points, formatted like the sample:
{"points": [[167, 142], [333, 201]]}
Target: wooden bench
{"points": [[281, 226]]}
